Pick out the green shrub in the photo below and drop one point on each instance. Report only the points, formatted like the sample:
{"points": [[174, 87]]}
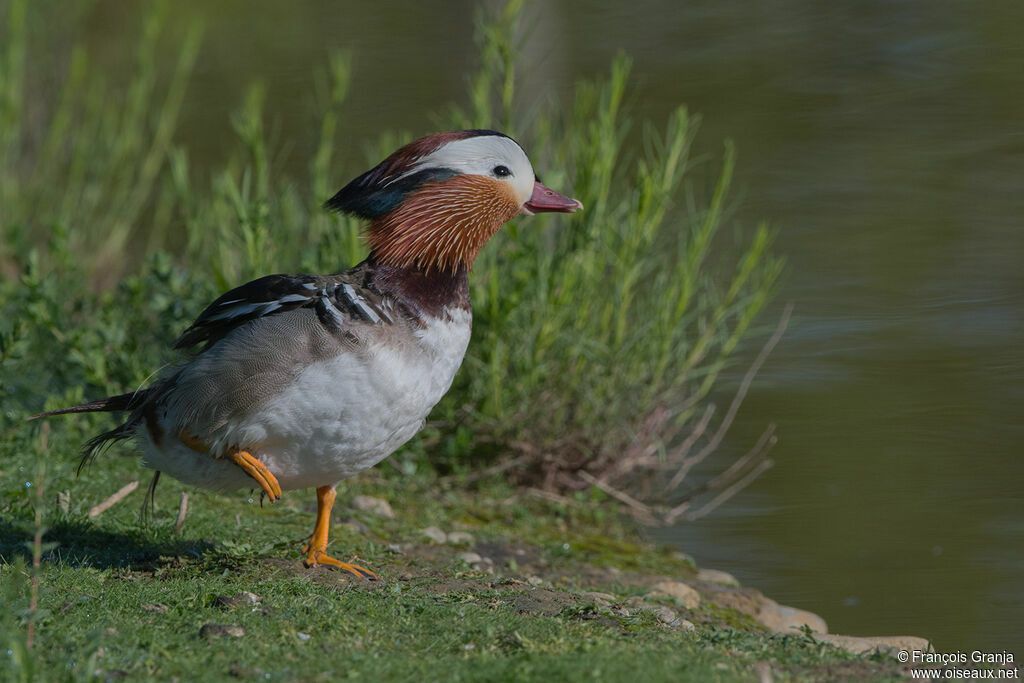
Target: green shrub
{"points": [[597, 336]]}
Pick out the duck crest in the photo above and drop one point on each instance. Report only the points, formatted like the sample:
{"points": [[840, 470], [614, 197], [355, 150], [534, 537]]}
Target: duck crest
{"points": [[387, 184]]}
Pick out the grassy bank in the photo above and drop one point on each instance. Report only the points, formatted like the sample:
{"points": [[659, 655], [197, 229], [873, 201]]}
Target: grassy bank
{"points": [[116, 600]]}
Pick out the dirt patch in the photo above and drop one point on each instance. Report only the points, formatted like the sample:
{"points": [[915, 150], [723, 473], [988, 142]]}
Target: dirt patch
{"points": [[542, 601]]}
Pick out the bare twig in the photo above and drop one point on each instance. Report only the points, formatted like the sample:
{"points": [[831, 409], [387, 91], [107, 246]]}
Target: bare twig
{"points": [[728, 493], [737, 400], [684, 448], [643, 510], [490, 471], [643, 450], [182, 511], [113, 500], [552, 497], [756, 453]]}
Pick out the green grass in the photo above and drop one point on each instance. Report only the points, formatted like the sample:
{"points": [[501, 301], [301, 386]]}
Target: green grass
{"points": [[432, 617]]}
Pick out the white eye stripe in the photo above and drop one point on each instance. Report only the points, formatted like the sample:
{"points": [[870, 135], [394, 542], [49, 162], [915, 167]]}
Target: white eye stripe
{"points": [[480, 155]]}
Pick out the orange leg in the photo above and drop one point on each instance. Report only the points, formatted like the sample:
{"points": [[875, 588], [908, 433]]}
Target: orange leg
{"points": [[258, 471], [253, 467], [316, 549], [192, 442]]}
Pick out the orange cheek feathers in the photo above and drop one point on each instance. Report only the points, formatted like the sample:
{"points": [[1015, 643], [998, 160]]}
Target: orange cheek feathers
{"points": [[445, 224]]}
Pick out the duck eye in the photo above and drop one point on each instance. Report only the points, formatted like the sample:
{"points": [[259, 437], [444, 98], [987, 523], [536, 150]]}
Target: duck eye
{"points": [[501, 171]]}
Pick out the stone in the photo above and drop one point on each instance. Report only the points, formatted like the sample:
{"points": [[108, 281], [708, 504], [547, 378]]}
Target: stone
{"points": [[687, 626], [663, 614], [680, 592], [746, 600], [872, 644], [717, 576], [784, 619], [243, 599], [374, 506], [459, 538], [156, 607], [599, 599], [683, 557], [221, 631], [470, 558], [434, 534]]}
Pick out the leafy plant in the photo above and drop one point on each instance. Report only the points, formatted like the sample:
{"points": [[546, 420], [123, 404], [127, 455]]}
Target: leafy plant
{"points": [[598, 338]]}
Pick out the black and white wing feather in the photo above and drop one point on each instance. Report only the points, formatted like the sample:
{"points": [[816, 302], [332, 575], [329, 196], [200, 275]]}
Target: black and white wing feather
{"points": [[336, 300]]}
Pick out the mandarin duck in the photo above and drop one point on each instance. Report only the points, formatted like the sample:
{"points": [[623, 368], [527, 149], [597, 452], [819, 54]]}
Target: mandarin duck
{"points": [[301, 381]]}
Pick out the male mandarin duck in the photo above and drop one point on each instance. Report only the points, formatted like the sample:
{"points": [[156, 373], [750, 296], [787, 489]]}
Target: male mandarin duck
{"points": [[304, 380]]}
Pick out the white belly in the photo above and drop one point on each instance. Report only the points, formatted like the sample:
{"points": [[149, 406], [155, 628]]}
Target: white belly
{"points": [[338, 417]]}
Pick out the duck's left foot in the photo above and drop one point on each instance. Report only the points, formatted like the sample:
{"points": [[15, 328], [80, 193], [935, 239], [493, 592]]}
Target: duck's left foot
{"points": [[258, 471], [317, 557]]}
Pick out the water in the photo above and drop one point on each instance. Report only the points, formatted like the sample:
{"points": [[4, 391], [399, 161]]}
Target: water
{"points": [[884, 141]]}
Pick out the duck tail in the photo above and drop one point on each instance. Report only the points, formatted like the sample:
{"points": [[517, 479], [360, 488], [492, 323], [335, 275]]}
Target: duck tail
{"points": [[110, 404]]}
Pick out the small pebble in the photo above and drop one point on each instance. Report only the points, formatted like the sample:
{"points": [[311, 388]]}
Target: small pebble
{"points": [[683, 557], [680, 592], [243, 599], [469, 558], [788, 620], [434, 534], [664, 614], [459, 538], [303, 636], [374, 506], [600, 599], [717, 576], [155, 607], [221, 631]]}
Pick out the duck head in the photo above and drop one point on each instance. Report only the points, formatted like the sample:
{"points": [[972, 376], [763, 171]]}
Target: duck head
{"points": [[435, 202]]}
